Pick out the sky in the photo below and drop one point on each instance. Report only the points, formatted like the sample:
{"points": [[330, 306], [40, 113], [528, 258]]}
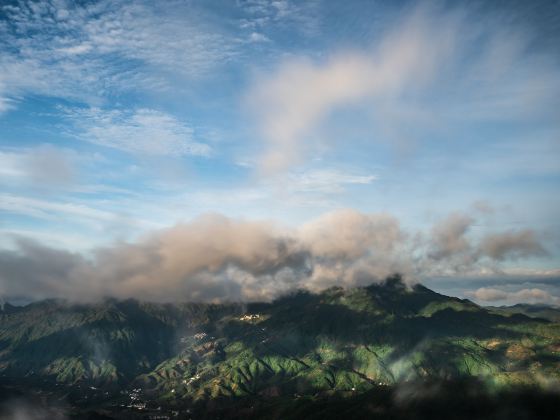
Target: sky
{"points": [[236, 150]]}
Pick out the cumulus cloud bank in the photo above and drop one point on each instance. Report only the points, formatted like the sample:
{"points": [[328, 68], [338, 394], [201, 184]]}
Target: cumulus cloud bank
{"points": [[215, 258]]}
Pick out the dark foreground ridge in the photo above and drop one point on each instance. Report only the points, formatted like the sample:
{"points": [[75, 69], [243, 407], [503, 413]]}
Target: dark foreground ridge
{"points": [[383, 351]]}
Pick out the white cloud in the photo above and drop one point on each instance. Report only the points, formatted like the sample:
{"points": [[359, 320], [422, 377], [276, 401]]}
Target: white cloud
{"points": [[48, 169], [301, 93], [452, 248], [214, 257], [449, 237], [88, 221], [325, 181], [297, 191], [534, 295], [49, 166], [427, 73], [11, 164], [89, 52], [258, 37], [6, 103], [44, 166], [142, 131], [51, 236], [277, 14], [211, 258], [532, 272], [52, 210], [514, 244]]}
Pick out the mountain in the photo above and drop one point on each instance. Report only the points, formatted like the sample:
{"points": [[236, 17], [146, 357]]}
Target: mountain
{"points": [[550, 313], [304, 348]]}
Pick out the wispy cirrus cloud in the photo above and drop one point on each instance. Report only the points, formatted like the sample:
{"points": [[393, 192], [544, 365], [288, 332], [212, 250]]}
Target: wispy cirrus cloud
{"points": [[44, 166], [267, 15], [95, 51], [311, 188], [66, 219], [52, 210], [326, 180], [49, 170], [142, 131], [89, 52]]}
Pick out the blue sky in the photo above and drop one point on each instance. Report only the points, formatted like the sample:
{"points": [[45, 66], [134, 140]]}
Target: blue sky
{"points": [[120, 120]]}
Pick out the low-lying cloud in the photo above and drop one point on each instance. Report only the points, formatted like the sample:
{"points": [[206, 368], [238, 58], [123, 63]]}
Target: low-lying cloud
{"points": [[512, 245], [215, 258], [27, 409], [534, 295], [449, 236]]}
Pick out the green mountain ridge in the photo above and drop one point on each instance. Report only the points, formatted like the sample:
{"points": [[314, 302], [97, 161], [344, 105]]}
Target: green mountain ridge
{"points": [[550, 313], [347, 341]]}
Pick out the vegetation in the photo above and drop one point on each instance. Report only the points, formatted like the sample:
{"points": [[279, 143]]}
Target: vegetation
{"points": [[341, 343]]}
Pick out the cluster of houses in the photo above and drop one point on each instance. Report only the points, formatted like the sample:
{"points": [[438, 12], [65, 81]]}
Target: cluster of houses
{"points": [[198, 336], [135, 401], [191, 379], [249, 317]]}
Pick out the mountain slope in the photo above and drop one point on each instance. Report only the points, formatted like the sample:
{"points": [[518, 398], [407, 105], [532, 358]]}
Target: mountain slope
{"points": [[534, 311], [347, 341]]}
